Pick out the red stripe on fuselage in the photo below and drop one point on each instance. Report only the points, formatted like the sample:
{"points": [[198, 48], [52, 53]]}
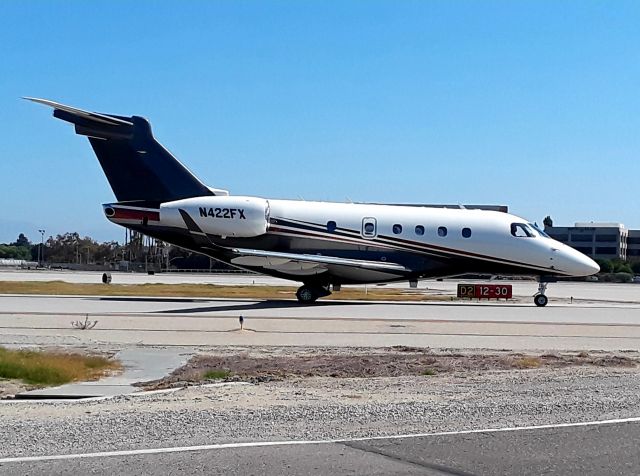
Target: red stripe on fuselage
{"points": [[130, 214]]}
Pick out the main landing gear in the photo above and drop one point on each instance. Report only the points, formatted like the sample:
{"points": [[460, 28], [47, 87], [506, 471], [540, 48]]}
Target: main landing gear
{"points": [[539, 298], [308, 294]]}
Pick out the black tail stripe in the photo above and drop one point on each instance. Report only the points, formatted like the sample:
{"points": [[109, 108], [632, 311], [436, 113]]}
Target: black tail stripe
{"points": [[192, 226]]}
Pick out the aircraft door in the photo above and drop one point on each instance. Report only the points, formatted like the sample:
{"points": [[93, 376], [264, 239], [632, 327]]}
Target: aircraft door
{"points": [[369, 227]]}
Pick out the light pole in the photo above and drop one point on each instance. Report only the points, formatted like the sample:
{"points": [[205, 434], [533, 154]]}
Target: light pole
{"points": [[41, 254]]}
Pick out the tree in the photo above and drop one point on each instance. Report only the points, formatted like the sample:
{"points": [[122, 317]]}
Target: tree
{"points": [[22, 241], [624, 268], [635, 266], [15, 252], [548, 221], [620, 266], [606, 266], [71, 248], [20, 249]]}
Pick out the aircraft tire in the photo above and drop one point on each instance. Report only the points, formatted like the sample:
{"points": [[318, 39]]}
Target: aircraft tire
{"points": [[306, 294], [540, 300]]}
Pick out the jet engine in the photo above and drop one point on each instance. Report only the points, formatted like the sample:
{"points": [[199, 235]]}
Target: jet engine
{"points": [[243, 217]]}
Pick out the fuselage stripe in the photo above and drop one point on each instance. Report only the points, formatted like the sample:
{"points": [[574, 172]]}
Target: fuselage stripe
{"points": [[412, 246]]}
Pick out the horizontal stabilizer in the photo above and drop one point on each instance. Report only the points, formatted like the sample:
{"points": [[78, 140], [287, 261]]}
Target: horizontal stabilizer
{"points": [[91, 124], [137, 166], [90, 116]]}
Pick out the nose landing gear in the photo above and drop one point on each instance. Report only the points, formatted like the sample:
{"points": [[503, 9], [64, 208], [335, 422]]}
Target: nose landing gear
{"points": [[539, 298]]}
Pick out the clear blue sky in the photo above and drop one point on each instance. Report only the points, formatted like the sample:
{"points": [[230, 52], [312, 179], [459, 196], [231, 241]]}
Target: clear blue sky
{"points": [[535, 105]]}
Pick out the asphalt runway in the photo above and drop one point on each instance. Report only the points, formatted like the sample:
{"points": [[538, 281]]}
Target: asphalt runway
{"points": [[88, 277], [592, 449], [26, 319], [593, 292]]}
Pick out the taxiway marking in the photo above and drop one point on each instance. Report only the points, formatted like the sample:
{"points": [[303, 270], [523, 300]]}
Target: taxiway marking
{"points": [[258, 444]]}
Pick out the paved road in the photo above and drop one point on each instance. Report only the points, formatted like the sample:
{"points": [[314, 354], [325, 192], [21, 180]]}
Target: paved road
{"points": [[201, 322], [583, 450], [88, 277], [606, 292]]}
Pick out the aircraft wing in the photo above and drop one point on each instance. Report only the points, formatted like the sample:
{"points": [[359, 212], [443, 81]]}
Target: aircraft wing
{"points": [[293, 261]]}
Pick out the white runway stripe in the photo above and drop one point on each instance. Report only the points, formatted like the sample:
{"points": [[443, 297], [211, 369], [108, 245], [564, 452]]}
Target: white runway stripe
{"points": [[258, 444]]}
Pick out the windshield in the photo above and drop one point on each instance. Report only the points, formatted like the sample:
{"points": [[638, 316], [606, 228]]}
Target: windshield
{"points": [[521, 230], [539, 230]]}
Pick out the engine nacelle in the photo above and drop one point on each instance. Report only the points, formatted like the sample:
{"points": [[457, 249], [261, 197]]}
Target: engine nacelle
{"points": [[223, 216]]}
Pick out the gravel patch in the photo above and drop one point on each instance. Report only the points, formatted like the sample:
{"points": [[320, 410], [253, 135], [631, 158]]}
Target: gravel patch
{"points": [[398, 361], [321, 408]]}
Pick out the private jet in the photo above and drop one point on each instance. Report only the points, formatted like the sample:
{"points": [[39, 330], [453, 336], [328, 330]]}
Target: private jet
{"points": [[323, 245]]}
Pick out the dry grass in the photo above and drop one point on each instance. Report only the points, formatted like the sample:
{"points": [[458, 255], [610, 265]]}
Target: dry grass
{"points": [[53, 368], [202, 290], [527, 363]]}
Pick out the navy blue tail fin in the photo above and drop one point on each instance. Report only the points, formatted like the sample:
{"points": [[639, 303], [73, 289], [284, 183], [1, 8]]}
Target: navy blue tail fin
{"points": [[137, 167]]}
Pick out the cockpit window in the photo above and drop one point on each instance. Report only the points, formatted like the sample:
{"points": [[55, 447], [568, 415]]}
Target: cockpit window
{"points": [[539, 230], [521, 230]]}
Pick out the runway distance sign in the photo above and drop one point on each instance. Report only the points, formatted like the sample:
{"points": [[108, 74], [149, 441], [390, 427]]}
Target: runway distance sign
{"points": [[485, 291]]}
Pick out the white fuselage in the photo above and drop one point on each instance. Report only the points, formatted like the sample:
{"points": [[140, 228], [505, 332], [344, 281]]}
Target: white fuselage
{"points": [[448, 234], [490, 232]]}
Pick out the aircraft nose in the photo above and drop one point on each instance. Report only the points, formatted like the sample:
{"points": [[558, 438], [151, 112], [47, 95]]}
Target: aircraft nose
{"points": [[586, 266], [578, 264]]}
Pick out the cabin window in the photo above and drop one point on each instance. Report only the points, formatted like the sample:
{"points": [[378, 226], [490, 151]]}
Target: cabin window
{"points": [[466, 232], [521, 230], [419, 230], [331, 226], [397, 229], [442, 231]]}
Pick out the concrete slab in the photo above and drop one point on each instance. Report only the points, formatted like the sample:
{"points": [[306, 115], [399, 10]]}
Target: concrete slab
{"points": [[601, 316], [45, 320], [139, 364]]}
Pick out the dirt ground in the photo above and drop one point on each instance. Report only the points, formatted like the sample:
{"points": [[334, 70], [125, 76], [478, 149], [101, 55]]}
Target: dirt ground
{"points": [[209, 291], [361, 363], [12, 387]]}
